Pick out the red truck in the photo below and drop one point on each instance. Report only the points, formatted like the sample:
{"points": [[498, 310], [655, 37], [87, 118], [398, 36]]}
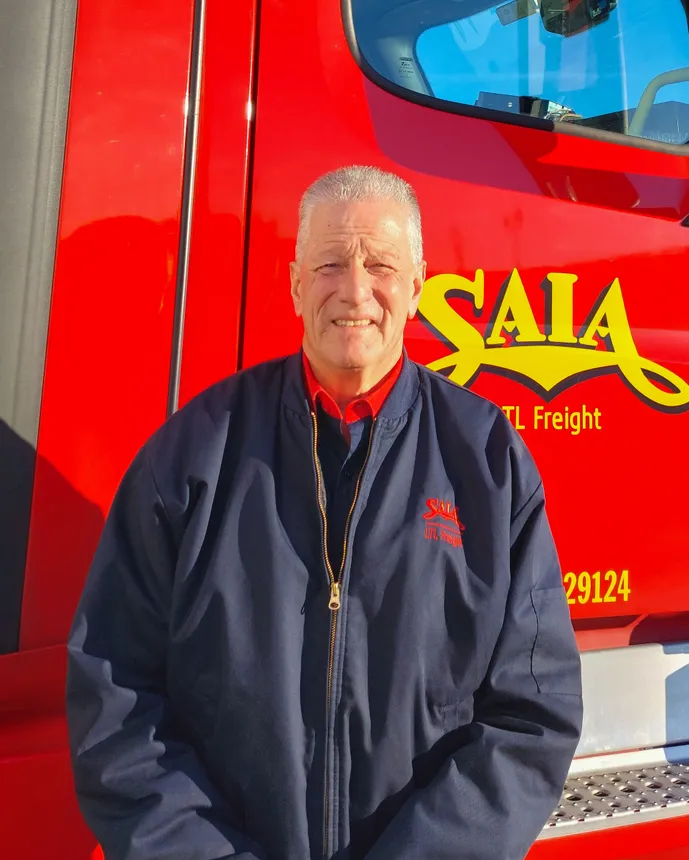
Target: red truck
{"points": [[153, 155]]}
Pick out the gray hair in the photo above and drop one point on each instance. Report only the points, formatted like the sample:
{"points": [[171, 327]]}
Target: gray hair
{"points": [[352, 184]]}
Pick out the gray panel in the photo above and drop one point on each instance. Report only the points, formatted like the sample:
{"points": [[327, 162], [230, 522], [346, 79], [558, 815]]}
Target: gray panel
{"points": [[36, 48], [635, 698]]}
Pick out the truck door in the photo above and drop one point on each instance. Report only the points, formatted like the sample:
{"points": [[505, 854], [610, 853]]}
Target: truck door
{"points": [[547, 144], [100, 105]]}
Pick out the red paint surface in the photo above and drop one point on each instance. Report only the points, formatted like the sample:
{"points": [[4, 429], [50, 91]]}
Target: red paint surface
{"points": [[594, 634], [110, 331], [216, 260], [662, 840], [39, 815], [106, 376]]}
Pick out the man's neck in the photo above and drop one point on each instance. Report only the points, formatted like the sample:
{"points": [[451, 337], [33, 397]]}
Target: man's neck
{"points": [[347, 385]]}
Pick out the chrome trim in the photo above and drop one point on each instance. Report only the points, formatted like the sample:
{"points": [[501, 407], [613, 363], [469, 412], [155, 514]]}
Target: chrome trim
{"points": [[188, 189]]}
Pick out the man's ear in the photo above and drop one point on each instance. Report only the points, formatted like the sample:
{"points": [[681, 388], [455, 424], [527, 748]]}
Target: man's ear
{"points": [[419, 278], [295, 288]]}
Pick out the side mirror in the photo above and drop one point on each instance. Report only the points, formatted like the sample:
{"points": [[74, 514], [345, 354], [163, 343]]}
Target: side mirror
{"points": [[568, 17]]}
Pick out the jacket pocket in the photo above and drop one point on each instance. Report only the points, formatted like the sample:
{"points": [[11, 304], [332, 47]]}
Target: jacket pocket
{"points": [[555, 663], [453, 714]]}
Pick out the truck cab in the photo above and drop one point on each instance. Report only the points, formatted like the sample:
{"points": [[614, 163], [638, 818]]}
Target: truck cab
{"points": [[154, 155]]}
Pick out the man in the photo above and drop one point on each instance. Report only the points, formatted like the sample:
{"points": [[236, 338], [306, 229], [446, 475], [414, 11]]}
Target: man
{"points": [[326, 617]]}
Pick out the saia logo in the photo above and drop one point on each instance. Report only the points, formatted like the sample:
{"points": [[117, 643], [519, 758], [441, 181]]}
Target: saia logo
{"points": [[446, 525], [554, 359], [444, 510]]}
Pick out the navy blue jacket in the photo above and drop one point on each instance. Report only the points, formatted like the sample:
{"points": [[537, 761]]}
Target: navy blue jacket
{"points": [[218, 708]]}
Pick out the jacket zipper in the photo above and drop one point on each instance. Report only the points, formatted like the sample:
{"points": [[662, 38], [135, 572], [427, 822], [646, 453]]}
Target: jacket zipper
{"points": [[334, 600]]}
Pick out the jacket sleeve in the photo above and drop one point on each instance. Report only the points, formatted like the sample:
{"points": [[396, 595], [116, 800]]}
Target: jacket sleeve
{"points": [[141, 787], [493, 795]]}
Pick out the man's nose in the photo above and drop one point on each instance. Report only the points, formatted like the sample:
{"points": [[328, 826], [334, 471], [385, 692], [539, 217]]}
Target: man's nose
{"points": [[356, 284]]}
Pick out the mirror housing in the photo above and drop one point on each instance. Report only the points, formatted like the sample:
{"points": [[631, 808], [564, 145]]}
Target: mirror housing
{"points": [[569, 17]]}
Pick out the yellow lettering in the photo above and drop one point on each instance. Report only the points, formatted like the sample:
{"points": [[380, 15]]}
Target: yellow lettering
{"points": [[467, 360], [516, 420], [548, 363], [574, 421], [515, 304], [560, 298], [608, 319]]}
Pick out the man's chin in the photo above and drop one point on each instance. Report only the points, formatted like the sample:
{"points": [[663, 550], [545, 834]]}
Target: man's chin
{"points": [[354, 360]]}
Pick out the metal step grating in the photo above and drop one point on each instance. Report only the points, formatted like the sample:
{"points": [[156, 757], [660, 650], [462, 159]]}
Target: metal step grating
{"points": [[609, 795]]}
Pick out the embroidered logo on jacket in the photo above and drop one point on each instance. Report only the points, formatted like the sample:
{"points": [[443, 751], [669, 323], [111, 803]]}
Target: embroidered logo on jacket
{"points": [[442, 522]]}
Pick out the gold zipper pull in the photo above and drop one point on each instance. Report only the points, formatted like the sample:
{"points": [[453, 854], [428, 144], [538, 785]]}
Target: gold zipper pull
{"points": [[334, 602]]}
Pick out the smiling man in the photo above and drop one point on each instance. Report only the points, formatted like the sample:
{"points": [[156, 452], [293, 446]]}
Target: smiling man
{"points": [[357, 279], [326, 617]]}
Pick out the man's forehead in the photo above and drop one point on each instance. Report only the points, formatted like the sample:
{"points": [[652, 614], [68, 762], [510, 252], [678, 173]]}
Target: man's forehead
{"points": [[380, 223], [352, 240]]}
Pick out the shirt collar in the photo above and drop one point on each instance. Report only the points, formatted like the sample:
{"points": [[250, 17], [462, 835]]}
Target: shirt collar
{"points": [[368, 405]]}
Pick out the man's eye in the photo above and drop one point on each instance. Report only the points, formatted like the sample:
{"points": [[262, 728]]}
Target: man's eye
{"points": [[380, 266], [328, 267]]}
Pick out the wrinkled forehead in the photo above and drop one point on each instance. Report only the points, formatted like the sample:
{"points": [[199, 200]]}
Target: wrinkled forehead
{"points": [[379, 224]]}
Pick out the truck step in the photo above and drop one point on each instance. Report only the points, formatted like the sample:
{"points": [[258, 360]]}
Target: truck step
{"points": [[605, 799]]}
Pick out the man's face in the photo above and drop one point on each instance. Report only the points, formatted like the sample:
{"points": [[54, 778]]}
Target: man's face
{"points": [[356, 286]]}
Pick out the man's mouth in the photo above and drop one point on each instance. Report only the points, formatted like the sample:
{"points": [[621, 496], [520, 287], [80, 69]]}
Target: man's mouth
{"points": [[353, 323]]}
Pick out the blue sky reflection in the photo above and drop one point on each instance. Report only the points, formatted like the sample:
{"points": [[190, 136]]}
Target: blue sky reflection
{"points": [[595, 72]]}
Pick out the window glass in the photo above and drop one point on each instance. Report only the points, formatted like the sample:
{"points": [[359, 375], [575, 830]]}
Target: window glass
{"points": [[616, 65]]}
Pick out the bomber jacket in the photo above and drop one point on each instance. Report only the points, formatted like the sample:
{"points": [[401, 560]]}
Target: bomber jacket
{"points": [[221, 703]]}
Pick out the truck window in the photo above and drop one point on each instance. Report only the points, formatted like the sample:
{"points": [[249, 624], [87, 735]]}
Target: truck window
{"points": [[612, 65]]}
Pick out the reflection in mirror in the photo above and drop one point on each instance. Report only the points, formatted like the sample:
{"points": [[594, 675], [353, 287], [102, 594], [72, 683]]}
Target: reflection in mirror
{"points": [[568, 17], [614, 65]]}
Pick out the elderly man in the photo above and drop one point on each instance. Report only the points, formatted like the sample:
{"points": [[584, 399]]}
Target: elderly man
{"points": [[326, 617]]}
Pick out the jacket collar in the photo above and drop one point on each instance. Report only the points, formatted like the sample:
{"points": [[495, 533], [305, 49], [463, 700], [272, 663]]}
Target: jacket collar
{"points": [[398, 402], [365, 406]]}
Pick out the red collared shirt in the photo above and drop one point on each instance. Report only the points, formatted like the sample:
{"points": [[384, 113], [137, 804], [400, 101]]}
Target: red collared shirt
{"points": [[367, 405]]}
